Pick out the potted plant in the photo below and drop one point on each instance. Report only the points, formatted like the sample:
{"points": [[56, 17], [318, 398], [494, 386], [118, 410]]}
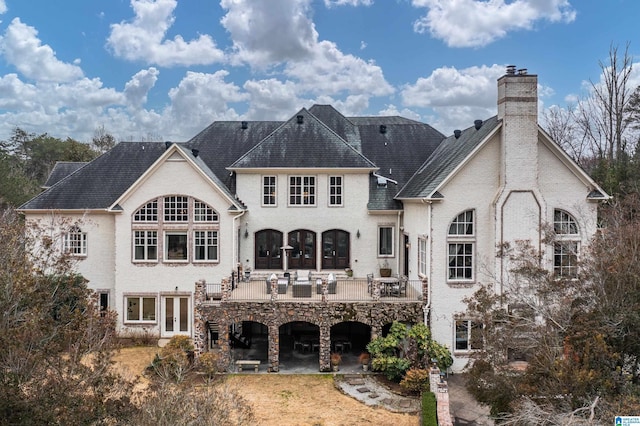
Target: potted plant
{"points": [[335, 360], [385, 270], [349, 272], [364, 359]]}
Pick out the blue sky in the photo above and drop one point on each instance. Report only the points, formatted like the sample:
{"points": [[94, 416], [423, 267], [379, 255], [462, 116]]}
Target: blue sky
{"points": [[165, 69]]}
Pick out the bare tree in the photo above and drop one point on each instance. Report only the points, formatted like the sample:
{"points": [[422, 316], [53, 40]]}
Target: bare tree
{"points": [[102, 140], [602, 116]]}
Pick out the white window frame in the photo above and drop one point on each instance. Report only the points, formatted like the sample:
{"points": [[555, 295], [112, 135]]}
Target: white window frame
{"points": [[566, 247], [207, 240], [142, 238], [176, 209], [144, 303], [391, 243], [147, 213], [302, 191], [176, 233], [336, 190], [422, 256], [270, 190], [203, 212], [75, 242], [467, 340], [461, 247]]}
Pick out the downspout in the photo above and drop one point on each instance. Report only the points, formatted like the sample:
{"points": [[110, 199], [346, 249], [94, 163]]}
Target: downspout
{"points": [[235, 257], [427, 306], [400, 243]]}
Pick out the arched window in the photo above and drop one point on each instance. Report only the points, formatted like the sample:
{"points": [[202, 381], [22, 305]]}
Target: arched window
{"points": [[461, 247], [75, 242], [566, 245], [191, 237]]}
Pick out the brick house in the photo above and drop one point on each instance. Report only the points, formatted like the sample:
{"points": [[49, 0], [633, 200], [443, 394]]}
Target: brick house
{"points": [[278, 230]]}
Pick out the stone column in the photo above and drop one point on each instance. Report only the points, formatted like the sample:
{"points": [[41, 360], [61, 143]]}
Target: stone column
{"points": [[375, 290], [325, 290], [225, 289], [199, 322], [325, 346], [223, 340], [274, 344], [274, 288], [375, 331]]}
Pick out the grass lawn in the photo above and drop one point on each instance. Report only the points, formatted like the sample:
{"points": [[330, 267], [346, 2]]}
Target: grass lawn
{"points": [[286, 399]]}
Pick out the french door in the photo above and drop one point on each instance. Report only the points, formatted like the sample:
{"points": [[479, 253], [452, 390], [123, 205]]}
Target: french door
{"points": [[303, 254], [176, 316], [268, 249], [335, 249]]}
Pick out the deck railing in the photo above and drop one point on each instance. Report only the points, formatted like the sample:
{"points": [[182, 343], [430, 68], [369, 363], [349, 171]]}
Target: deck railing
{"points": [[316, 290]]}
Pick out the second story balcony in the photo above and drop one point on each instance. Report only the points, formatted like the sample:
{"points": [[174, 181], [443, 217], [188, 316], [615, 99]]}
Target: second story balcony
{"points": [[315, 288]]}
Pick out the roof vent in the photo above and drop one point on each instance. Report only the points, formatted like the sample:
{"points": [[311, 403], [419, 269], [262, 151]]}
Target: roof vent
{"points": [[457, 133], [195, 152], [511, 69], [383, 129], [300, 119], [244, 125], [167, 144], [522, 71], [477, 124]]}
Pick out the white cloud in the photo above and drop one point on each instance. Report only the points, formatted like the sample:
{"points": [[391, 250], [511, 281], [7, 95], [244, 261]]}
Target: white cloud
{"points": [[266, 33], [144, 38], [472, 23], [457, 96], [22, 48], [331, 3], [202, 98], [329, 71], [3, 7], [136, 89], [272, 99]]}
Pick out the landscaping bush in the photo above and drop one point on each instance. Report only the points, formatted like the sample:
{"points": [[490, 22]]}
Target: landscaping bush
{"points": [[415, 380]]}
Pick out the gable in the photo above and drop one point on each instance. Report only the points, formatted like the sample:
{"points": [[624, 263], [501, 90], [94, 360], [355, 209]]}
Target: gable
{"points": [[302, 142]]}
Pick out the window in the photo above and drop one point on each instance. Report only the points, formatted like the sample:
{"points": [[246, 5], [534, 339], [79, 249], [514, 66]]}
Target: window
{"points": [[75, 242], [206, 245], [565, 248], [103, 302], [147, 213], [302, 190], [170, 227], [269, 191], [461, 244], [468, 335], [422, 256], [176, 209], [335, 190], [385, 241], [176, 246], [145, 245], [202, 212], [141, 309]]}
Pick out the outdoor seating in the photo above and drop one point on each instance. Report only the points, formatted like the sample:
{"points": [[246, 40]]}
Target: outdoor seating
{"points": [[332, 285], [283, 284], [301, 289]]}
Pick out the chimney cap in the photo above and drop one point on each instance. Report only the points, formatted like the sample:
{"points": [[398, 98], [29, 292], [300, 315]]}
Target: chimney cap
{"points": [[522, 71], [511, 69]]}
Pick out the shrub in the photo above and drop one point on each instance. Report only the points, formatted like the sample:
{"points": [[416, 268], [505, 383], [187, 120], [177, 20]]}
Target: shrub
{"points": [[210, 364], [429, 410], [415, 380]]}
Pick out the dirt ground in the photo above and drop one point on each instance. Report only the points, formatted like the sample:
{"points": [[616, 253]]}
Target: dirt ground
{"points": [[285, 400]]}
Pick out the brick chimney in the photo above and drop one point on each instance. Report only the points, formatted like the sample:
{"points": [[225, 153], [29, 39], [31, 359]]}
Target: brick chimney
{"points": [[518, 110]]}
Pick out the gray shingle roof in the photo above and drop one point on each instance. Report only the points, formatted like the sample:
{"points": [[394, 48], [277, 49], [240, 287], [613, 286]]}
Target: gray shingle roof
{"points": [[451, 152], [100, 183], [306, 142], [61, 170], [324, 139]]}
